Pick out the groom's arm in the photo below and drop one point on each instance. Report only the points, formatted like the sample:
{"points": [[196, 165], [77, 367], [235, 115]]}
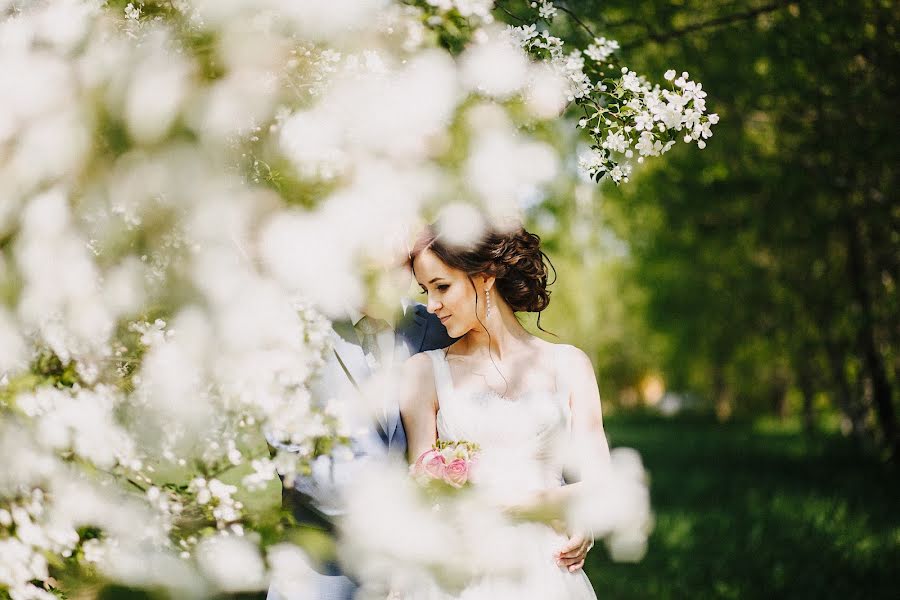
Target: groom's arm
{"points": [[296, 497], [304, 509]]}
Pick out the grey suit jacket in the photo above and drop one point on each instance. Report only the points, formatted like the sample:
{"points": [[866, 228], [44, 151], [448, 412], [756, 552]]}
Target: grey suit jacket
{"points": [[419, 331]]}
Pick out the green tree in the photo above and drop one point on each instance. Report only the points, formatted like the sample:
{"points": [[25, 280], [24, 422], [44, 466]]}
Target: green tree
{"points": [[770, 260]]}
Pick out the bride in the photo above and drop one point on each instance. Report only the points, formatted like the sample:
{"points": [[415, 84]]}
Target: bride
{"points": [[515, 395]]}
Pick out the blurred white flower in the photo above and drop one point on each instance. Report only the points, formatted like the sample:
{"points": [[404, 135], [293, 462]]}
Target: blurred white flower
{"points": [[614, 502], [158, 87], [460, 224], [141, 566], [313, 19], [19, 564], [288, 243], [312, 141], [546, 92], [123, 287], [466, 8], [233, 105], [13, 354], [65, 307], [496, 67], [169, 388], [398, 115], [290, 573], [504, 169], [232, 564], [82, 422], [388, 526]]}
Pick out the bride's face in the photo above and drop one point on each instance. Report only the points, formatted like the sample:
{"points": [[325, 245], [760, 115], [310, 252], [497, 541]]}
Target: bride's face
{"points": [[451, 294]]}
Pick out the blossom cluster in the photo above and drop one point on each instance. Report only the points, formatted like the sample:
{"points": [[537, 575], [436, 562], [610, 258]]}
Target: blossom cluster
{"points": [[192, 190], [27, 539], [139, 340], [647, 123], [625, 115], [542, 45], [218, 497]]}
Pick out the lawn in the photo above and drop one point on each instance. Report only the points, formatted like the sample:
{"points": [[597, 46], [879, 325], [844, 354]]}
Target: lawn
{"points": [[746, 510]]}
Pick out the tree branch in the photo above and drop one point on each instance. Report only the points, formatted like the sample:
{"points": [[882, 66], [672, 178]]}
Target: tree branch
{"points": [[136, 484], [507, 11], [708, 24], [575, 18]]}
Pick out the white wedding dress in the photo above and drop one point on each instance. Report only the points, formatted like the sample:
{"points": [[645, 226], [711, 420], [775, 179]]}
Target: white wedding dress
{"points": [[518, 439]]}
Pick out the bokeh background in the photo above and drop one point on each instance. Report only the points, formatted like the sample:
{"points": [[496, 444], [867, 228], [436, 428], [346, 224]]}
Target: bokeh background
{"points": [[740, 304]]}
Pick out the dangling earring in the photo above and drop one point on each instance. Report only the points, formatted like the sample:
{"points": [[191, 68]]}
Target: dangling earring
{"points": [[487, 295]]}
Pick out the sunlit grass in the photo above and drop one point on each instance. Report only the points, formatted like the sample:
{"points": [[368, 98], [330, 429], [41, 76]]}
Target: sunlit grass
{"points": [[756, 510]]}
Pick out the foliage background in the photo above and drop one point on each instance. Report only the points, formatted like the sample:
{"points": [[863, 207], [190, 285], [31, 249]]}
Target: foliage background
{"points": [[760, 274], [755, 282]]}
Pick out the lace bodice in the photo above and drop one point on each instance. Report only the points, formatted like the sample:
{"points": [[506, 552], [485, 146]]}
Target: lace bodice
{"points": [[519, 438]]}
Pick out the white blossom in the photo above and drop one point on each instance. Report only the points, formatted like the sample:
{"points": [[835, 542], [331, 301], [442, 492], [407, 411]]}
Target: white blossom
{"points": [[546, 10], [496, 67], [132, 12], [232, 563], [601, 49], [291, 573]]}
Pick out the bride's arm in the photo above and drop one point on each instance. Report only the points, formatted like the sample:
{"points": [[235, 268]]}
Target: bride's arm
{"points": [[587, 414], [587, 434], [418, 405]]}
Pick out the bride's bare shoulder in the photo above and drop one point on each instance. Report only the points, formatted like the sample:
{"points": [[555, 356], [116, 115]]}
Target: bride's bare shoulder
{"points": [[418, 365], [550, 348], [569, 354]]}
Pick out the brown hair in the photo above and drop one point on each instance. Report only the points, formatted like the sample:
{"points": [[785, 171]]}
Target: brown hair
{"points": [[514, 257]]}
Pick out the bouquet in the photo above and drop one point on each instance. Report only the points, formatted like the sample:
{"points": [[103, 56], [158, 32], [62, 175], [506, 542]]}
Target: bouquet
{"points": [[448, 462]]}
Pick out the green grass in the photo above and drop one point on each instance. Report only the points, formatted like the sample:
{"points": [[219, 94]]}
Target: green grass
{"points": [[749, 510]]}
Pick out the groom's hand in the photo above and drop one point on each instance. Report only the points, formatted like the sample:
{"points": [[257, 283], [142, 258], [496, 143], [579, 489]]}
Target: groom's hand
{"points": [[571, 556]]}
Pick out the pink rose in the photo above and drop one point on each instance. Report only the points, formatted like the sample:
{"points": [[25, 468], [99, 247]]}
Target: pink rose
{"points": [[456, 473], [435, 466], [418, 467], [430, 465]]}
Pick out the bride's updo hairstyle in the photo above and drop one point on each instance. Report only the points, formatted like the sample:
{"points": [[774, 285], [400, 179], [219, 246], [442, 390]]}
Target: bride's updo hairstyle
{"points": [[513, 256]]}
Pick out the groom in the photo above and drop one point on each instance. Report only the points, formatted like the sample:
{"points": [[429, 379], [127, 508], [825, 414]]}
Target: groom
{"points": [[362, 344]]}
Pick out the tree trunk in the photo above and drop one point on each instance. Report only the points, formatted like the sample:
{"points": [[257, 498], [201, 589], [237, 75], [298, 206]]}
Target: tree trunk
{"points": [[721, 392], [882, 395], [849, 404], [779, 401], [808, 390], [778, 393]]}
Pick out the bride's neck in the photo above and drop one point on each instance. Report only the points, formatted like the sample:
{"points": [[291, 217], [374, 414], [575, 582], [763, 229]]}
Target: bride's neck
{"points": [[500, 334]]}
